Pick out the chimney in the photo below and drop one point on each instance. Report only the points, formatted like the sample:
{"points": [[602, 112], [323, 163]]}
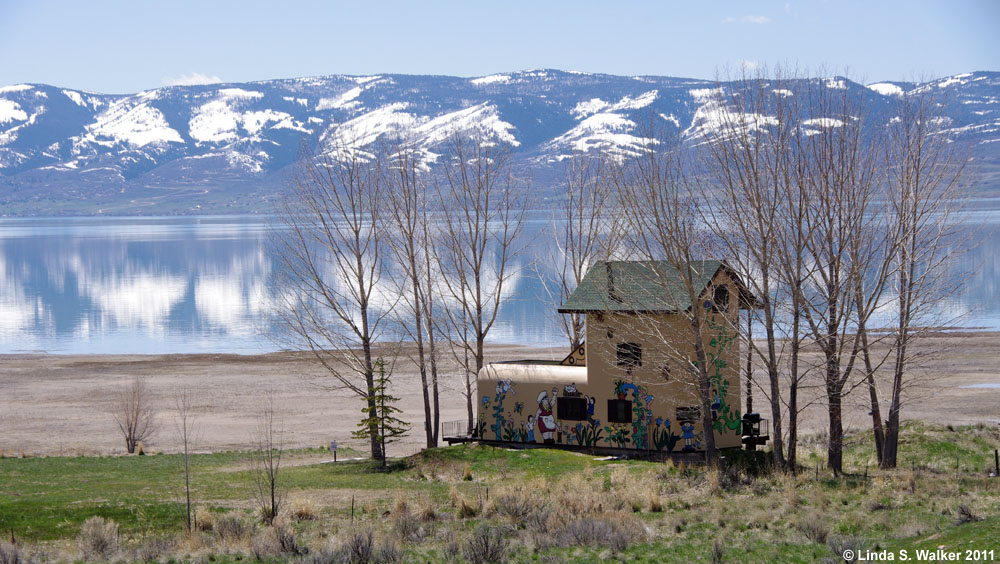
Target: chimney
{"points": [[612, 292]]}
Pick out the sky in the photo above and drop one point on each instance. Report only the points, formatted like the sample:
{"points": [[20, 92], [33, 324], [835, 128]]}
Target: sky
{"points": [[128, 46]]}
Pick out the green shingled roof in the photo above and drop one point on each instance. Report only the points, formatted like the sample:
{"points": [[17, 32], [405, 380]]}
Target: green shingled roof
{"points": [[639, 286]]}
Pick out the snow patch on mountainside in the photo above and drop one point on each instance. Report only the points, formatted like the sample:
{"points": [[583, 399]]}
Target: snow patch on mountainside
{"points": [[595, 105], [135, 124], [482, 118], [215, 122], [344, 101], [239, 93], [491, 79], [672, 119], [75, 97], [348, 100], [957, 79], [11, 111], [15, 88], [714, 117], [702, 95], [607, 132], [353, 136], [886, 89], [823, 122], [219, 121], [347, 138], [254, 122]]}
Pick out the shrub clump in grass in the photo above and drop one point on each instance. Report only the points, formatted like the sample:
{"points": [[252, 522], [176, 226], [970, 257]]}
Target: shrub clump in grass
{"points": [[98, 539], [466, 507], [303, 510], [276, 540], [515, 506], [204, 520], [151, 550], [965, 515], [486, 545], [10, 554], [285, 537], [407, 526], [361, 546], [594, 532], [840, 545], [718, 553], [232, 527], [813, 527]]}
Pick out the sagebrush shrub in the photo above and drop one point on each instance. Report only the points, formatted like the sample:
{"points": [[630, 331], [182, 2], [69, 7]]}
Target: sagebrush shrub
{"points": [[486, 545], [813, 527], [98, 538], [231, 527], [9, 554], [361, 545]]}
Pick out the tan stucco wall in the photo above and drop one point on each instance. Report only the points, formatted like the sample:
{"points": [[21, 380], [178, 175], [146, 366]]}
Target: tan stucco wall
{"points": [[511, 398]]}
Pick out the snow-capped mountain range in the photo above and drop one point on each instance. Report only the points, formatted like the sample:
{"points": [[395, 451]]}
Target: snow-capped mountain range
{"points": [[228, 147]]}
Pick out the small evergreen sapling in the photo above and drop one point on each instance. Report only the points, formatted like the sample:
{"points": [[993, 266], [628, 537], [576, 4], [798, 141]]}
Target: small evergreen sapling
{"points": [[380, 412]]}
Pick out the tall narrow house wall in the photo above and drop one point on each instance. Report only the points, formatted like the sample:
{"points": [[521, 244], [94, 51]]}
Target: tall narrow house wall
{"points": [[637, 390]]}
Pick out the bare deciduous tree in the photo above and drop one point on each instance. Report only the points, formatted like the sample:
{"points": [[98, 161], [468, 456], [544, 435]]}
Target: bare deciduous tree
{"points": [[664, 228], [266, 487], [414, 248], [132, 409], [924, 192], [842, 154], [586, 230], [483, 217], [184, 413], [751, 159], [332, 254]]}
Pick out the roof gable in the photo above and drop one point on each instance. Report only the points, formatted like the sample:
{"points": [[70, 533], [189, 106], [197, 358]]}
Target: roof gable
{"points": [[639, 286]]}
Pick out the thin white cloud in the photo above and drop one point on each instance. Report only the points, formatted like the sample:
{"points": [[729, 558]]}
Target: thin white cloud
{"points": [[749, 65], [192, 79], [748, 19]]}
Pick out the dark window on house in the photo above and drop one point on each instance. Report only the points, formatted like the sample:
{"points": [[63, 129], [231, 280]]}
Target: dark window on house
{"points": [[571, 409], [720, 299], [619, 411], [688, 414], [665, 371], [629, 354]]}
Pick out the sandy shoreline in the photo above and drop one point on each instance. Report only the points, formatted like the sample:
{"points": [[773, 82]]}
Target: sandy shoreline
{"points": [[57, 404]]}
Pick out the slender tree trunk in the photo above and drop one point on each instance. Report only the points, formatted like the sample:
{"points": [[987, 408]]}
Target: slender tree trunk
{"points": [[749, 362], [835, 452], [873, 398], [705, 389], [773, 376], [793, 394], [891, 445]]}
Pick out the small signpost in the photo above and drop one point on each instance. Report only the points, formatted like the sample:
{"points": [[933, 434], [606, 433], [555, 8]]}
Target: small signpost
{"points": [[333, 447]]}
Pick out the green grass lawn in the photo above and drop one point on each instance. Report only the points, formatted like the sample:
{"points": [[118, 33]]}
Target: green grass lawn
{"points": [[674, 513]]}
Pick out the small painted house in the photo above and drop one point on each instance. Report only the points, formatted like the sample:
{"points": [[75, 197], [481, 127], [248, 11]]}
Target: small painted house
{"points": [[630, 385]]}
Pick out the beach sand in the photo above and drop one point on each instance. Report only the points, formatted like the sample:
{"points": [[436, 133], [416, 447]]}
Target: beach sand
{"points": [[58, 404]]}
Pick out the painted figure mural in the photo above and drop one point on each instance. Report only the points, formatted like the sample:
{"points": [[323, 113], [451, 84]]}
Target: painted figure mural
{"points": [[544, 416]]}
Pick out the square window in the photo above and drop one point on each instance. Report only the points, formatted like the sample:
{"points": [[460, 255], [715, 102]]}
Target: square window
{"points": [[571, 408], [629, 354], [688, 414], [720, 299], [619, 411]]}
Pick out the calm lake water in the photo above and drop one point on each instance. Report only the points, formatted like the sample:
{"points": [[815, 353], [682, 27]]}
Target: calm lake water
{"points": [[200, 284]]}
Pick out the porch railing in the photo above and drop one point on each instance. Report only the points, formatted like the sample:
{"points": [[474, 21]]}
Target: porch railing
{"points": [[459, 428]]}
